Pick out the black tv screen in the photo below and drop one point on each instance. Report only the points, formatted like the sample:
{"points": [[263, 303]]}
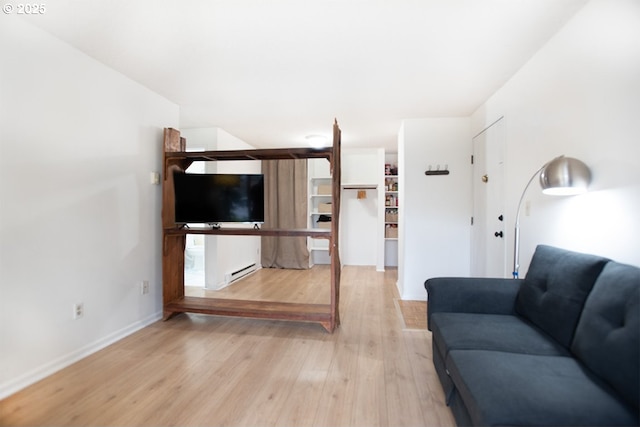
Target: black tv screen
{"points": [[213, 198]]}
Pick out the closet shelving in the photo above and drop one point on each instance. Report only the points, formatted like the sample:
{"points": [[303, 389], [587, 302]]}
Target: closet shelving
{"points": [[177, 159], [320, 201], [391, 207]]}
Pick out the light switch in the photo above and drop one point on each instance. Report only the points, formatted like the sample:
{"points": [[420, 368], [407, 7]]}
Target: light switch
{"points": [[155, 178]]}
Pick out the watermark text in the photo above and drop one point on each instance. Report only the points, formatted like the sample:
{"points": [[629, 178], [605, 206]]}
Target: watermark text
{"points": [[24, 9]]}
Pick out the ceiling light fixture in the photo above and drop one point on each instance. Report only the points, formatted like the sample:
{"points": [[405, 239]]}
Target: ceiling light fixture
{"points": [[317, 141]]}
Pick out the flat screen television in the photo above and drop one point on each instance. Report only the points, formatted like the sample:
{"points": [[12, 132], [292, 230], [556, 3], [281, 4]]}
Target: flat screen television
{"points": [[215, 198]]}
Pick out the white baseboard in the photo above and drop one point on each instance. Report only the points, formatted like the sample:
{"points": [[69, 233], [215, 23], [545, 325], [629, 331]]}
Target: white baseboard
{"points": [[414, 296], [12, 386]]}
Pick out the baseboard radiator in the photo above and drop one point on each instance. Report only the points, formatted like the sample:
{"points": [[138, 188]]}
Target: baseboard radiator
{"points": [[239, 274]]}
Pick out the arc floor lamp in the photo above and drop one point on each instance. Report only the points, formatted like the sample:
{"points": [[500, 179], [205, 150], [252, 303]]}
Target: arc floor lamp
{"points": [[562, 176]]}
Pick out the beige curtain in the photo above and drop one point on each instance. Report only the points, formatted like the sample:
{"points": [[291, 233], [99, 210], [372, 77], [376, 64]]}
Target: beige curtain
{"points": [[285, 186]]}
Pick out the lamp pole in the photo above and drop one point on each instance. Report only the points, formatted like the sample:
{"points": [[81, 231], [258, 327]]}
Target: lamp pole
{"points": [[516, 241]]}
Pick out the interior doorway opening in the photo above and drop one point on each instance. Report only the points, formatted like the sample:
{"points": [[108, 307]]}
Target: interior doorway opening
{"points": [[194, 274], [194, 260]]}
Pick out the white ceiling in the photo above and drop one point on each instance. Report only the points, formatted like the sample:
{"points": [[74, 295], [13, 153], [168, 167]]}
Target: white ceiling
{"points": [[271, 72]]}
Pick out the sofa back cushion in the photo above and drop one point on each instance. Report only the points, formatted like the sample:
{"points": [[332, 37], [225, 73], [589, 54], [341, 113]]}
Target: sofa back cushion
{"points": [[607, 339], [555, 288]]}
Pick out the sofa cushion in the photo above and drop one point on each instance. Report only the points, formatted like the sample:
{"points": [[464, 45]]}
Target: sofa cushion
{"points": [[461, 331], [438, 362], [555, 289], [500, 388], [607, 339]]}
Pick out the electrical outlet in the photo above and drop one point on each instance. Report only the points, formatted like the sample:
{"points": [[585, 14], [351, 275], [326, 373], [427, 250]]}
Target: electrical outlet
{"points": [[78, 310], [144, 287]]}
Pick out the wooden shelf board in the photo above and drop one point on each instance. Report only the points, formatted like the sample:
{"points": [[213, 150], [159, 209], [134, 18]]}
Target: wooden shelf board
{"points": [[264, 154], [316, 313], [311, 232]]}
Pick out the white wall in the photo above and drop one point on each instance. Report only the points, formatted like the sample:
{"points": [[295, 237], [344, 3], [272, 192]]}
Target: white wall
{"points": [[578, 96], [225, 254], [360, 227], [79, 218], [434, 211]]}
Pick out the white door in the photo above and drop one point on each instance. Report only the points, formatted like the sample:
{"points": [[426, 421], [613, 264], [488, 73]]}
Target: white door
{"points": [[488, 235]]}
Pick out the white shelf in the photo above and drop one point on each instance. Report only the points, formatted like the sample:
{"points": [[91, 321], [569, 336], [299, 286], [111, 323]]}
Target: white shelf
{"points": [[319, 177], [391, 192]]}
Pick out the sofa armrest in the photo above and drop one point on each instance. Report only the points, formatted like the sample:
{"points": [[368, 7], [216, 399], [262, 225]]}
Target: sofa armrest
{"points": [[471, 295]]}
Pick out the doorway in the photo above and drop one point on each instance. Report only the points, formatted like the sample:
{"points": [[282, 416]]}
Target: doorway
{"points": [[488, 233], [194, 256]]}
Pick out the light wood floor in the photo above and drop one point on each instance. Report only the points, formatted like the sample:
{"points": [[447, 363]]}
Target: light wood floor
{"points": [[198, 370]]}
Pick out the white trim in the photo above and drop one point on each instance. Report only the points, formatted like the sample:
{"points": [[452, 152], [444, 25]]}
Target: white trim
{"points": [[413, 296], [10, 387]]}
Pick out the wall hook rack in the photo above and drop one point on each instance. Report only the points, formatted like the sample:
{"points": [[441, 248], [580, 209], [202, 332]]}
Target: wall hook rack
{"points": [[438, 171]]}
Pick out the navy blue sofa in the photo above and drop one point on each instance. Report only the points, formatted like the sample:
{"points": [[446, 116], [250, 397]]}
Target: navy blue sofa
{"points": [[560, 347]]}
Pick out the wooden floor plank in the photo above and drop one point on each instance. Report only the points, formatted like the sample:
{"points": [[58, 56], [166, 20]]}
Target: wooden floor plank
{"points": [[209, 370]]}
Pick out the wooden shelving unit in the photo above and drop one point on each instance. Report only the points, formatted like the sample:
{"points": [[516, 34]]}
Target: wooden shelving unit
{"points": [[177, 159]]}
